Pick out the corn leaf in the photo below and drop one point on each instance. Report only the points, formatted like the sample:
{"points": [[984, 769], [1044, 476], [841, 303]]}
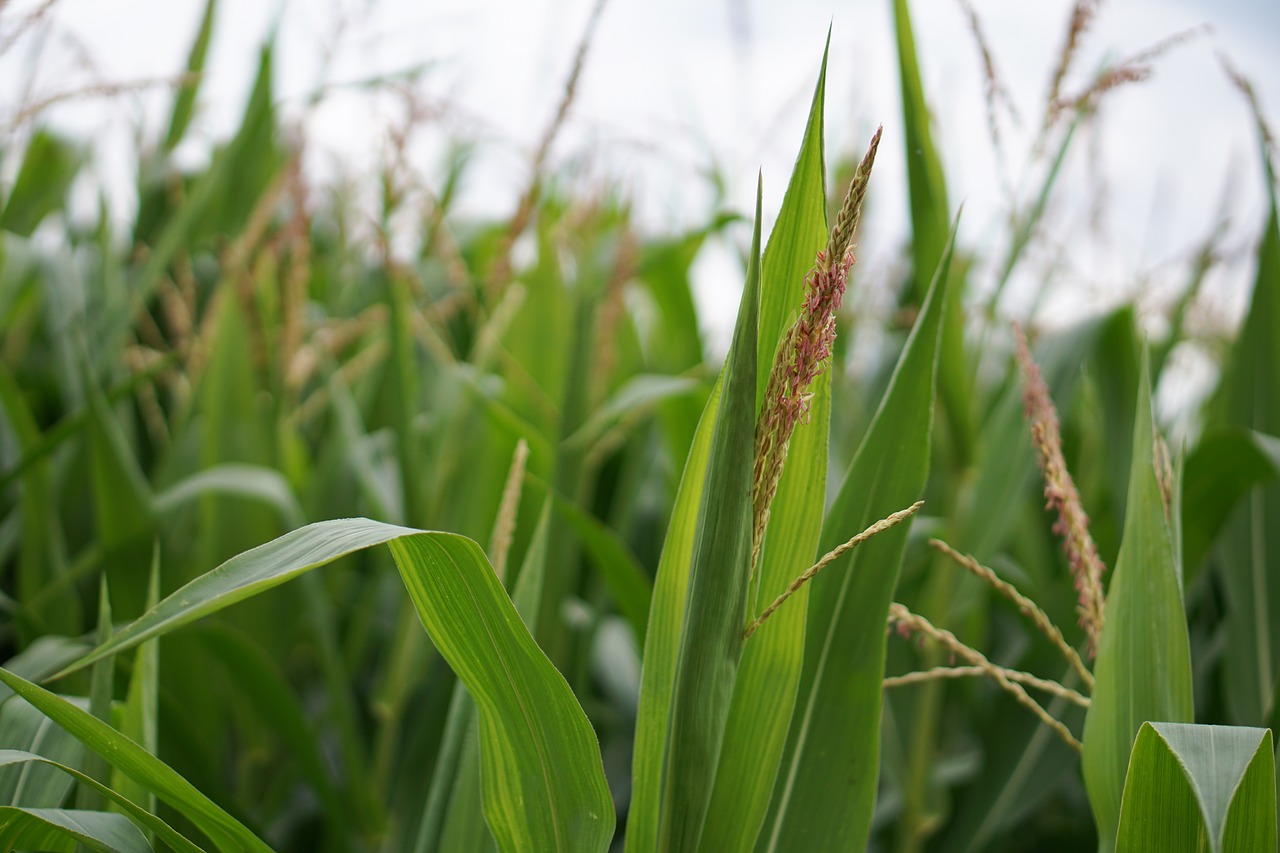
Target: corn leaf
{"points": [[57, 830], [930, 223], [135, 762], [826, 786], [662, 639], [141, 707], [544, 783], [1143, 668], [764, 693], [1249, 397], [48, 168], [715, 614], [20, 759], [1193, 787], [184, 101]]}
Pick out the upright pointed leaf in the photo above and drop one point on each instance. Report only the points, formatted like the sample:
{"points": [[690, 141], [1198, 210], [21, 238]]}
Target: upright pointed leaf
{"points": [[764, 693], [1143, 668], [662, 639], [184, 101], [715, 615], [48, 168], [1249, 396], [930, 223], [826, 785]]}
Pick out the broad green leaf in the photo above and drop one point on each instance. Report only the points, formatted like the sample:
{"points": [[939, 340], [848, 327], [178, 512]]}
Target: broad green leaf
{"points": [[544, 783], [764, 693], [930, 224], [1191, 788], [1143, 668], [464, 826], [18, 758], [1249, 397], [544, 786], [662, 640], [826, 787], [48, 168], [139, 765], [715, 614], [57, 830]]}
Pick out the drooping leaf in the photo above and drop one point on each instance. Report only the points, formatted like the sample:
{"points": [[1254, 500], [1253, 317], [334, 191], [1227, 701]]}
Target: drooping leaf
{"points": [[544, 783]]}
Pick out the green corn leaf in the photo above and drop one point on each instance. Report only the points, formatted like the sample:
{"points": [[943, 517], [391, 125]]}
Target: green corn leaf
{"points": [[58, 830], [637, 395], [544, 782], [764, 693], [276, 706], [826, 787], [48, 168], [1249, 397], [930, 224], [1192, 788], [184, 102], [1143, 668], [464, 827], [162, 830], [130, 758], [23, 728], [662, 639], [715, 615]]}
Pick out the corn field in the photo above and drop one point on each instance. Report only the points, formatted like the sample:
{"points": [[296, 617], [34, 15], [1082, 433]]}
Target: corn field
{"points": [[314, 541]]}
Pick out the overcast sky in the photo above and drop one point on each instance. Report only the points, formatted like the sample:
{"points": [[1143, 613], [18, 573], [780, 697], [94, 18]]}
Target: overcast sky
{"points": [[672, 86]]}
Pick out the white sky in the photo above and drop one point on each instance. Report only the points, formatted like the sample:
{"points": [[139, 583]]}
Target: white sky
{"points": [[672, 86]]}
